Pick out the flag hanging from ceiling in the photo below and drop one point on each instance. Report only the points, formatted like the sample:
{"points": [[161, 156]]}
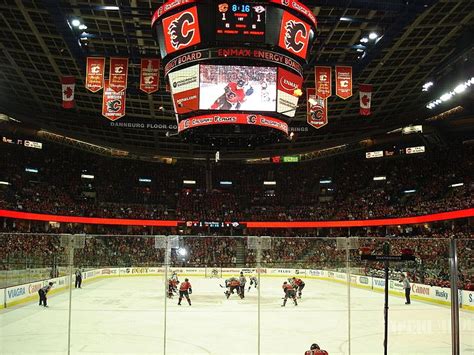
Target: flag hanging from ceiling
{"points": [[95, 70], [344, 82], [316, 109], [149, 75], [365, 98], [118, 74], [322, 78], [113, 103], [68, 85]]}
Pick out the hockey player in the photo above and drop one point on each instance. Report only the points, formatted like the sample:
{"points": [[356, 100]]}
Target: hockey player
{"points": [[174, 276], [232, 284], [242, 281], [298, 284], [42, 292], [184, 291], [253, 281], [315, 350], [172, 287], [289, 293], [233, 97]]}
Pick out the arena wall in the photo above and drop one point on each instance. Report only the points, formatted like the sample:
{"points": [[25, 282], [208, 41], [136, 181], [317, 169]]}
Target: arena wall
{"points": [[433, 294]]}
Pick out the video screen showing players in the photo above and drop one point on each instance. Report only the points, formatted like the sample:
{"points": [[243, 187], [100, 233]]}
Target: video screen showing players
{"points": [[243, 88]]}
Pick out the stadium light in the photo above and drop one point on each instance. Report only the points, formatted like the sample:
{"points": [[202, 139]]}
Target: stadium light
{"points": [[76, 22], [272, 183], [189, 182], [4, 183], [144, 180], [380, 178], [182, 252], [426, 86], [31, 170], [409, 191], [226, 182], [87, 176], [325, 181], [109, 8], [82, 27], [458, 89], [364, 40], [373, 35], [348, 19], [459, 184]]}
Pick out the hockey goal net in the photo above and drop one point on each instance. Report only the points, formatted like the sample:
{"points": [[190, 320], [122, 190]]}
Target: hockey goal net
{"points": [[213, 273]]}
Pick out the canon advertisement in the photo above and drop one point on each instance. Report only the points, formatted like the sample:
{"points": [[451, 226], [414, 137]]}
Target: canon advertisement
{"points": [[243, 88]]}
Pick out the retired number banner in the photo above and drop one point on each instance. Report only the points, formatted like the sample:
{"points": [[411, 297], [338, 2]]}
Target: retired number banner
{"points": [[317, 109], [322, 78], [344, 82], [113, 103], [95, 70], [118, 74], [149, 75]]}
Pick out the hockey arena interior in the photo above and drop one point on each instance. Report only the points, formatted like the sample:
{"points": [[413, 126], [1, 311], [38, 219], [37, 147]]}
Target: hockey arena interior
{"points": [[236, 177]]}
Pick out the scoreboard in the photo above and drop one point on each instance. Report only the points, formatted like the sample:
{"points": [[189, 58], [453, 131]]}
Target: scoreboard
{"points": [[240, 22]]}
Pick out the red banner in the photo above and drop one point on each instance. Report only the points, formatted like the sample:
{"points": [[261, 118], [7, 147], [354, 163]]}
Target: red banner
{"points": [[113, 103], [68, 85], [344, 82], [294, 35], [233, 118], [317, 109], [181, 30], [95, 70], [365, 99], [118, 74], [149, 75], [322, 78]]}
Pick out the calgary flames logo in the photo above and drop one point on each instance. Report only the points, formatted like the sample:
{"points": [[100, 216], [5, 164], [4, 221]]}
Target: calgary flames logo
{"points": [[180, 35], [293, 31], [114, 106]]}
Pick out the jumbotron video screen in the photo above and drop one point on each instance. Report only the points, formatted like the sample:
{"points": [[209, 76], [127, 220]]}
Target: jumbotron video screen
{"points": [[232, 87]]}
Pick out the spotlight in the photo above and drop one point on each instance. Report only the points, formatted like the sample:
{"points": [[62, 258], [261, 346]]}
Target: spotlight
{"points": [[364, 40], [182, 252], [82, 27], [373, 35], [446, 97], [460, 88], [76, 23]]}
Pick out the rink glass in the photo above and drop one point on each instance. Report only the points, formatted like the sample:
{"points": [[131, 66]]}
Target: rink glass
{"points": [[122, 305]]}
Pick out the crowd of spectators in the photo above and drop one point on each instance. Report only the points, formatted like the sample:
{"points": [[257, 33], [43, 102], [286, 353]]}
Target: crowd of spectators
{"points": [[351, 193], [331, 189]]}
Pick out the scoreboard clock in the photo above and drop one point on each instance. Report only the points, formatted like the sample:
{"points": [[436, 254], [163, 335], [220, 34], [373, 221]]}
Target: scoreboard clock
{"points": [[240, 22]]}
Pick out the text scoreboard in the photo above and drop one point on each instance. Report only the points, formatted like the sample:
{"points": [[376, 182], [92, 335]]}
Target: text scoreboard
{"points": [[241, 22]]}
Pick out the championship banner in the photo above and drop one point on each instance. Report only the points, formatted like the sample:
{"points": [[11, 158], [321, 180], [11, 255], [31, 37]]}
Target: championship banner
{"points": [[322, 78], [95, 70], [118, 74], [67, 86], [113, 103], [365, 99], [344, 82], [287, 87], [317, 110], [149, 75], [233, 118]]}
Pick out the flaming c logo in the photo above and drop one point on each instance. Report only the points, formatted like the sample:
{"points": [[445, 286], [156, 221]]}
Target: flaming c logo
{"points": [[295, 34], [179, 31], [114, 106]]}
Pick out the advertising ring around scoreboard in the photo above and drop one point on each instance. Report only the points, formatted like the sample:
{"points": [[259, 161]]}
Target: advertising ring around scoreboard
{"points": [[233, 118]]}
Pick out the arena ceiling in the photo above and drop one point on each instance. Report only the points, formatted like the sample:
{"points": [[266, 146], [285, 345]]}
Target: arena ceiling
{"points": [[418, 41]]}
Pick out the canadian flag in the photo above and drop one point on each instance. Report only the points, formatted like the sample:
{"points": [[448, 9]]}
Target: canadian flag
{"points": [[68, 84], [365, 98]]}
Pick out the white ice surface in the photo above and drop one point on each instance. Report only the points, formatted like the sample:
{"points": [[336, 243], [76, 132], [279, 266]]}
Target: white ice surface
{"points": [[125, 316]]}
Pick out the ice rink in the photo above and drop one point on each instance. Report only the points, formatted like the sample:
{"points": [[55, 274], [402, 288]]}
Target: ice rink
{"points": [[126, 315]]}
